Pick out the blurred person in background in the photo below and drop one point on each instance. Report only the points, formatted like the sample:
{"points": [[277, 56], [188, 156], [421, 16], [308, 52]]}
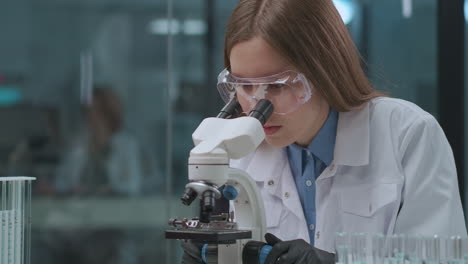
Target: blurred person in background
{"points": [[105, 159]]}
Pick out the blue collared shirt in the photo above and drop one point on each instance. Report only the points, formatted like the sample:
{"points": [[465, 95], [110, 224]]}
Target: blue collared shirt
{"points": [[308, 163]]}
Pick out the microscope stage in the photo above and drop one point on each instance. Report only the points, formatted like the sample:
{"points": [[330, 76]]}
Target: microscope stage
{"points": [[209, 236]]}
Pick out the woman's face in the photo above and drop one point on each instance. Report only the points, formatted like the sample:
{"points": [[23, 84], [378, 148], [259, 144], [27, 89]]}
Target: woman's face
{"points": [[256, 58]]}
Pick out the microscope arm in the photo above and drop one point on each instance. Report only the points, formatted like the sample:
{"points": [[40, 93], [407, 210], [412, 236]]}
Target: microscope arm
{"points": [[249, 214], [249, 208]]}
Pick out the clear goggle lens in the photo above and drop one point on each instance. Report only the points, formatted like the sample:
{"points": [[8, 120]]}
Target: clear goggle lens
{"points": [[287, 91]]}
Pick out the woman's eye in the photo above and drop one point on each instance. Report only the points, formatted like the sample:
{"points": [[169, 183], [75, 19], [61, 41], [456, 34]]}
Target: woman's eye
{"points": [[275, 89], [275, 86]]}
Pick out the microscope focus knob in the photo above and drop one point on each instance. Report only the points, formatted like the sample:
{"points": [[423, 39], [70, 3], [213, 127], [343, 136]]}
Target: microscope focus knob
{"points": [[255, 252], [230, 192], [189, 196]]}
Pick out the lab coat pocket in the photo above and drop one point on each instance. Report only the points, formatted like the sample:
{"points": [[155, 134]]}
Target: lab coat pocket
{"points": [[368, 208]]}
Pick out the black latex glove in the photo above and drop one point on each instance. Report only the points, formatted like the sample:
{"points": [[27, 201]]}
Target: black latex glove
{"points": [[295, 251], [192, 252]]}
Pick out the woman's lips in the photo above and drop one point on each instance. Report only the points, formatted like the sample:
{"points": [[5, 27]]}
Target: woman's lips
{"points": [[270, 130]]}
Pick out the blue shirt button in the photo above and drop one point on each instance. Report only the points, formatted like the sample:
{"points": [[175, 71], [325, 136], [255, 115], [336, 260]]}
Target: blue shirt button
{"points": [[309, 183]]}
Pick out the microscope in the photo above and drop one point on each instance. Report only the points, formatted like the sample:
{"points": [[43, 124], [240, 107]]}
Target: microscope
{"points": [[225, 236]]}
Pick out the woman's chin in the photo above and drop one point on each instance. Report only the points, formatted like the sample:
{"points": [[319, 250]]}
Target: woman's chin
{"points": [[278, 141]]}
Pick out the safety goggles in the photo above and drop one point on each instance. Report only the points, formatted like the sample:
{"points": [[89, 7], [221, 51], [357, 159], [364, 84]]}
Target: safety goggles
{"points": [[287, 90]]}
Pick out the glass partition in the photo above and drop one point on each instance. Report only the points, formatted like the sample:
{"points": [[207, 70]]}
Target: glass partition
{"points": [[398, 40]]}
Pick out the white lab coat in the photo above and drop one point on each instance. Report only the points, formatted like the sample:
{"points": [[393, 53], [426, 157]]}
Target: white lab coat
{"points": [[393, 172]]}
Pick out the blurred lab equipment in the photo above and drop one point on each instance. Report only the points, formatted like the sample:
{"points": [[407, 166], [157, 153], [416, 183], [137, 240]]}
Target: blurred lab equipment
{"points": [[15, 220], [363, 248]]}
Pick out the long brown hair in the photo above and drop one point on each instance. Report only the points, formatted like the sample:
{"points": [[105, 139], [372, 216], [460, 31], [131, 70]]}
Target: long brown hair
{"points": [[311, 35]]}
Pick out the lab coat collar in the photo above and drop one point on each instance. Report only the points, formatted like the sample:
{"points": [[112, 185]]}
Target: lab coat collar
{"points": [[352, 138], [322, 146]]}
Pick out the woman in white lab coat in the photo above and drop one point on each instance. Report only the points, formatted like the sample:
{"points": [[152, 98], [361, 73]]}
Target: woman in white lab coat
{"points": [[382, 165]]}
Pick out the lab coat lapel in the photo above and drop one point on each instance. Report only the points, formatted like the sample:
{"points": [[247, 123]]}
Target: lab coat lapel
{"points": [[351, 149], [352, 141], [265, 163], [290, 198], [270, 165], [352, 138]]}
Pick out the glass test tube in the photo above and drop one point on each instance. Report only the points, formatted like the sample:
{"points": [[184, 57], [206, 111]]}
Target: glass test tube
{"points": [[414, 249], [359, 248], [378, 248], [432, 250], [15, 220], [342, 248]]}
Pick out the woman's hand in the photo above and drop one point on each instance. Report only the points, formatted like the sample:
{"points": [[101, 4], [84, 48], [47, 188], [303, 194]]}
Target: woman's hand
{"points": [[192, 252], [295, 251]]}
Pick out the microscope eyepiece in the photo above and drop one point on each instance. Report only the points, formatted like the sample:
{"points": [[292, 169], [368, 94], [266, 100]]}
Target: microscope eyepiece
{"points": [[230, 110], [262, 111]]}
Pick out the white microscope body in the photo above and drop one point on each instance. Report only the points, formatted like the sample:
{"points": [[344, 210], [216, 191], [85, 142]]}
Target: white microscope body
{"points": [[218, 140]]}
